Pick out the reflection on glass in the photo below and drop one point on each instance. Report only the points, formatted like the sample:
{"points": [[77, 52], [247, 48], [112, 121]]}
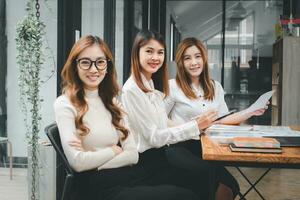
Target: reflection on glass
{"points": [[92, 17], [248, 52], [214, 56], [138, 19], [239, 42]]}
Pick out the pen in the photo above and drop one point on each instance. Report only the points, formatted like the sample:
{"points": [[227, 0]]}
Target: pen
{"points": [[221, 117], [229, 113]]}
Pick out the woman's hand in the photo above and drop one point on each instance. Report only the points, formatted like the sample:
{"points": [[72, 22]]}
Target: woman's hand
{"points": [[260, 111], [117, 149], [77, 144], [206, 119]]}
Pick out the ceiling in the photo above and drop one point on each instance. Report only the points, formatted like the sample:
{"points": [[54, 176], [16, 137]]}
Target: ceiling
{"points": [[203, 19], [189, 14]]}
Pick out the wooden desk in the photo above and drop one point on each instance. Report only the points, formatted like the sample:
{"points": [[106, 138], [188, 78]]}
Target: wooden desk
{"points": [[212, 151], [222, 155]]}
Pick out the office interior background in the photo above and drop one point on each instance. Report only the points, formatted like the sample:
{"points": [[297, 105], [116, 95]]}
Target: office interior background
{"points": [[239, 36]]}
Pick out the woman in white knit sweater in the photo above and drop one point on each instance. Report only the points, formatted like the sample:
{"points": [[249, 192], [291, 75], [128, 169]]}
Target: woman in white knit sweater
{"points": [[95, 141]]}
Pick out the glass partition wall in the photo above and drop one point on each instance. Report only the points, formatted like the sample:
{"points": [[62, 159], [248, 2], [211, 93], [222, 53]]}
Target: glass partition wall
{"points": [[249, 36], [92, 17]]}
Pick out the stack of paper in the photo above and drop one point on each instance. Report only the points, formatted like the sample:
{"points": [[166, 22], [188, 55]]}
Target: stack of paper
{"points": [[225, 133]]}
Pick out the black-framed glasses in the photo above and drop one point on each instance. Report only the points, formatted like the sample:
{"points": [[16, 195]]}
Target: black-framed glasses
{"points": [[86, 63]]}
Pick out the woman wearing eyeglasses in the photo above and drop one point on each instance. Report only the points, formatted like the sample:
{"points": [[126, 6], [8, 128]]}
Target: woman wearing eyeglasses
{"points": [[95, 141]]}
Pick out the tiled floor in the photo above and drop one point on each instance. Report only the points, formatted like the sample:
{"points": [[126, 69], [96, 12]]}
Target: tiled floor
{"points": [[279, 184], [15, 189]]}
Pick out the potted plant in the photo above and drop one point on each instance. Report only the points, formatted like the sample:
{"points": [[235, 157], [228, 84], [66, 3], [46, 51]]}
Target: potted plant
{"points": [[29, 41]]}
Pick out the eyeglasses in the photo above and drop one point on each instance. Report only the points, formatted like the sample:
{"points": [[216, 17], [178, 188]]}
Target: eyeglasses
{"points": [[86, 63]]}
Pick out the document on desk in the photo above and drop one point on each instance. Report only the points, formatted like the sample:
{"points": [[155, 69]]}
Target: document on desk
{"points": [[224, 128], [261, 101], [225, 133], [265, 130]]}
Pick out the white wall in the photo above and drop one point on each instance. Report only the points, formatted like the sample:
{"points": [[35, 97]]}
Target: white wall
{"points": [[15, 10]]}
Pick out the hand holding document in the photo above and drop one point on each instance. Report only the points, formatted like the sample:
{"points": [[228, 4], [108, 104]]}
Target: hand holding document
{"points": [[261, 102], [206, 119]]}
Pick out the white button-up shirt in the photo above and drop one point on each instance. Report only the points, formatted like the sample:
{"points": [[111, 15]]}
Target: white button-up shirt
{"points": [[147, 118], [181, 109]]}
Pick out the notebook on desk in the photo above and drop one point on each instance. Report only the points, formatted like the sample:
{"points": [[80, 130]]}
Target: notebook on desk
{"points": [[287, 141], [234, 148], [255, 145], [255, 142]]}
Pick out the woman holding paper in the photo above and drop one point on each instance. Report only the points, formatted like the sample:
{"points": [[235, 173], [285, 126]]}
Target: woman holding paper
{"points": [[192, 93], [142, 98]]}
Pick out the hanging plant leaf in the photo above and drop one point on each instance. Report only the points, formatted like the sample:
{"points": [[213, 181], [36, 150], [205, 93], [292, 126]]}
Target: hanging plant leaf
{"points": [[30, 58]]}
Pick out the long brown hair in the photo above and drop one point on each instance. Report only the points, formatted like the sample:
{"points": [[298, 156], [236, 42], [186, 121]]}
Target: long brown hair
{"points": [[160, 78], [183, 79], [107, 90]]}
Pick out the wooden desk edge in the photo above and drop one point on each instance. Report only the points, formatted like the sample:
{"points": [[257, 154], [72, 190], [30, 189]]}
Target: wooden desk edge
{"points": [[212, 151]]}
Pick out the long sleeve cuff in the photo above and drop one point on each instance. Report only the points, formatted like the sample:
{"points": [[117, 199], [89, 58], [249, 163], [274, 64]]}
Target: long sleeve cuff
{"points": [[186, 131]]}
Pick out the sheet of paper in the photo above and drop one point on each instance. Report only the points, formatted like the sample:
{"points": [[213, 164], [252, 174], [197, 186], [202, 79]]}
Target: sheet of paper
{"points": [[261, 101], [230, 128], [226, 137], [276, 130], [224, 134], [266, 128]]}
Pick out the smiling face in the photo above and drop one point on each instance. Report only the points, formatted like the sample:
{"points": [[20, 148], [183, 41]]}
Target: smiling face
{"points": [[151, 56], [91, 77], [193, 62]]}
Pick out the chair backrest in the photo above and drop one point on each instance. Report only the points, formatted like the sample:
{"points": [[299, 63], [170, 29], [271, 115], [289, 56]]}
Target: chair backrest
{"points": [[53, 135]]}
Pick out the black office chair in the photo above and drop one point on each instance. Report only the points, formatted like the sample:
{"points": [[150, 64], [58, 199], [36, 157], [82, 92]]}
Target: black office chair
{"points": [[53, 135]]}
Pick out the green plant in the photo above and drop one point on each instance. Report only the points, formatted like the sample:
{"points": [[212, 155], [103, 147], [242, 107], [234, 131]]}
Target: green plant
{"points": [[30, 58]]}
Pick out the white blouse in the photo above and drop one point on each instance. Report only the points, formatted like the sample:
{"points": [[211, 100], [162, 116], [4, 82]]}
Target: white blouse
{"points": [[147, 117], [181, 109], [98, 141]]}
